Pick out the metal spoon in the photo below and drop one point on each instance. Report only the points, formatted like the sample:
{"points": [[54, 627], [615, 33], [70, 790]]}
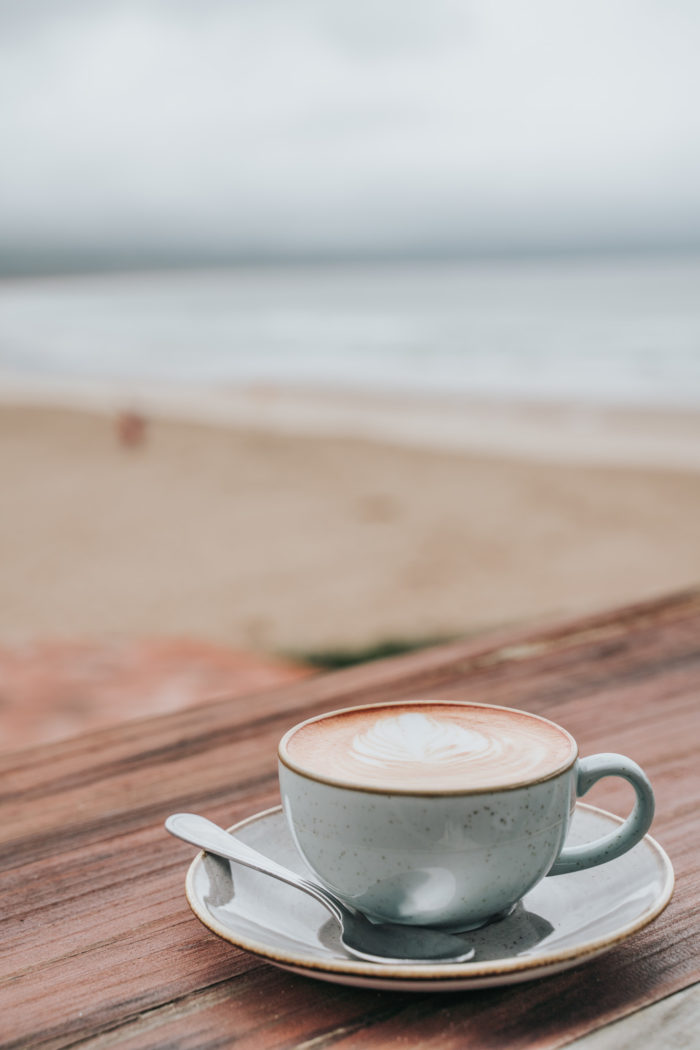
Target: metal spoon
{"points": [[373, 942]]}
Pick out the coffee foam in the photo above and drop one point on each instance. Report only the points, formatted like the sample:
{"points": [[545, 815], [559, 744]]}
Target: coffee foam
{"points": [[431, 746]]}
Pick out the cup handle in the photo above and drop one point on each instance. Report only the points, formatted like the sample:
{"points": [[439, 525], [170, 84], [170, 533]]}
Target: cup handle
{"points": [[590, 770]]}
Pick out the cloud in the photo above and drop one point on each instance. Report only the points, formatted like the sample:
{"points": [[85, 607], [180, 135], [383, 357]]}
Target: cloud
{"points": [[247, 128]]}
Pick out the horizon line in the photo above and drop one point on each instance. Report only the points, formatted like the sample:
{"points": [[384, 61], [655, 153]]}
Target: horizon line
{"points": [[84, 263]]}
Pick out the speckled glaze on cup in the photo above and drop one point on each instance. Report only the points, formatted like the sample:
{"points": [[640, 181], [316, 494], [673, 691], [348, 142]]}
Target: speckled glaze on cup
{"points": [[446, 856]]}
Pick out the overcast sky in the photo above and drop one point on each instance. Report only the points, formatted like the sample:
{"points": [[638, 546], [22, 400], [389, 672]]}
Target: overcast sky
{"points": [[246, 128]]}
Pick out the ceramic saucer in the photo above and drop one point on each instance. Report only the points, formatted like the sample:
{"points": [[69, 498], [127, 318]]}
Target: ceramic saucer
{"points": [[564, 921]]}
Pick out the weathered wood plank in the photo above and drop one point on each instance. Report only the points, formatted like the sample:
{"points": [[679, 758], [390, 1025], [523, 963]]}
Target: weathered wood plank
{"points": [[98, 946], [672, 1024]]}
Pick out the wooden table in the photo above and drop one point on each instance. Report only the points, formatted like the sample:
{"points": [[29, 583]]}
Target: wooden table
{"points": [[100, 949]]}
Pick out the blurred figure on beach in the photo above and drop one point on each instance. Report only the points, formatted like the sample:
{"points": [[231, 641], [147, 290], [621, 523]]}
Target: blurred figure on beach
{"points": [[131, 429]]}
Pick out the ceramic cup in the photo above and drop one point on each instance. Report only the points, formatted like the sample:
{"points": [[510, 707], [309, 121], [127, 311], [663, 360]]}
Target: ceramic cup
{"points": [[443, 814]]}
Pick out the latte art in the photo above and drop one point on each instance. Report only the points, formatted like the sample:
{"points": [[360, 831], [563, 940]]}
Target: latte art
{"points": [[430, 747], [415, 737]]}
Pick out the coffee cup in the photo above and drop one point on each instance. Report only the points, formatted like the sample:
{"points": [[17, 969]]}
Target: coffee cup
{"points": [[443, 813]]}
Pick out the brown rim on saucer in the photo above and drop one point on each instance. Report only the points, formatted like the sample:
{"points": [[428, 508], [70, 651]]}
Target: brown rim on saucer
{"points": [[288, 761]]}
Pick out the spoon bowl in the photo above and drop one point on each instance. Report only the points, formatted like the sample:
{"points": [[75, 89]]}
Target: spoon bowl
{"points": [[372, 942]]}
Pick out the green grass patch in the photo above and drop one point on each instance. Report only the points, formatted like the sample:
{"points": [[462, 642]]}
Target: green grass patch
{"points": [[334, 659]]}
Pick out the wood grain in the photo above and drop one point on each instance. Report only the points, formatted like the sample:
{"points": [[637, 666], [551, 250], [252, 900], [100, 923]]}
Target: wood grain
{"points": [[672, 1023], [98, 946]]}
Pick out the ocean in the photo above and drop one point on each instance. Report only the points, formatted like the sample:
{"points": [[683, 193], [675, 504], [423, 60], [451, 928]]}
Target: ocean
{"points": [[599, 332]]}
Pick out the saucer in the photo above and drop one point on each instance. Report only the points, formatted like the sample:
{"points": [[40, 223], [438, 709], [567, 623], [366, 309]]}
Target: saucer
{"points": [[564, 921]]}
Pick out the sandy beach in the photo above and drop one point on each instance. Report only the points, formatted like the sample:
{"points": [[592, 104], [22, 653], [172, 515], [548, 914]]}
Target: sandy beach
{"points": [[263, 527]]}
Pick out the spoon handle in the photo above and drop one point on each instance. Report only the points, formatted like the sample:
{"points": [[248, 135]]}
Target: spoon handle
{"points": [[199, 831]]}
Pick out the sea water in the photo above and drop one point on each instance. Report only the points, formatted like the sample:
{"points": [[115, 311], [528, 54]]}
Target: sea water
{"points": [[613, 331]]}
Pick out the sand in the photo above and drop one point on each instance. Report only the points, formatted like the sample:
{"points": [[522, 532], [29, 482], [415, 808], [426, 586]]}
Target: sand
{"points": [[270, 530]]}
